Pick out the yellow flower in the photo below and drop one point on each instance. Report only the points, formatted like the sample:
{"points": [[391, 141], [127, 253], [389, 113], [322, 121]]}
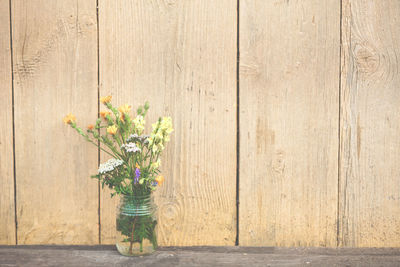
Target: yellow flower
{"points": [[105, 99], [90, 127], [160, 179], [139, 123], [156, 164], [122, 118], [112, 129], [70, 118], [150, 139], [104, 114], [137, 166], [125, 108]]}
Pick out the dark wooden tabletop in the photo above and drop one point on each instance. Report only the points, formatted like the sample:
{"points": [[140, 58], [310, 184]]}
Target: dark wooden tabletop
{"points": [[198, 256]]}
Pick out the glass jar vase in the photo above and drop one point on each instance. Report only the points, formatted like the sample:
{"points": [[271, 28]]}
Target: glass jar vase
{"points": [[136, 225]]}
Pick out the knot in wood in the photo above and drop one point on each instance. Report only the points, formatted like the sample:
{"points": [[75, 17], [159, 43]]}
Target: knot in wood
{"points": [[366, 59]]}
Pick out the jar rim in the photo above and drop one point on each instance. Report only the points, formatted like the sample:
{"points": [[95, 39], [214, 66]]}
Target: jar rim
{"points": [[136, 196]]}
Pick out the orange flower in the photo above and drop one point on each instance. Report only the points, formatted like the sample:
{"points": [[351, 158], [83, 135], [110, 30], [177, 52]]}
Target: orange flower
{"points": [[137, 166], [112, 129], [125, 108], [104, 114], [160, 179], [105, 99], [70, 118], [90, 127]]}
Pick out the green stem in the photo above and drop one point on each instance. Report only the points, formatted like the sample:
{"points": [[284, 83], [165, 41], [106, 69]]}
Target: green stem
{"points": [[101, 148], [87, 138], [133, 231], [111, 147]]}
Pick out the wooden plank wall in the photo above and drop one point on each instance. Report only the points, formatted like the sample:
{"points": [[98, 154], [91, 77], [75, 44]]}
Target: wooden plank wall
{"points": [[7, 207], [55, 71], [181, 57], [370, 125], [318, 91], [289, 81]]}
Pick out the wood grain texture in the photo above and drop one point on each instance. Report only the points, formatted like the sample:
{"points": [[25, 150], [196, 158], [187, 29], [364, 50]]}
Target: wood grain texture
{"points": [[55, 65], [105, 256], [370, 125], [7, 208], [181, 56], [289, 79]]}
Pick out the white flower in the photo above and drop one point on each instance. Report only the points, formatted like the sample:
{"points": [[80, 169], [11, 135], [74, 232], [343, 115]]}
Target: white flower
{"points": [[130, 147], [110, 165], [137, 138], [132, 137]]}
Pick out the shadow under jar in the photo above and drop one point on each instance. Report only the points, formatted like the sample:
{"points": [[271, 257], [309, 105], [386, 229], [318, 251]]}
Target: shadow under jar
{"points": [[136, 225]]}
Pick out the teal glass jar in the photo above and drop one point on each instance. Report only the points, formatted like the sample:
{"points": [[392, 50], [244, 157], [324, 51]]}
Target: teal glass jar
{"points": [[136, 225]]}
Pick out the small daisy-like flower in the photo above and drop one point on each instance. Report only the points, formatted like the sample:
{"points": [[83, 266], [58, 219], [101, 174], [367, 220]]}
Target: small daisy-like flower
{"points": [[132, 138], [110, 165], [70, 118], [137, 138], [130, 147], [90, 127], [160, 179], [104, 114], [112, 129], [125, 108], [105, 99]]}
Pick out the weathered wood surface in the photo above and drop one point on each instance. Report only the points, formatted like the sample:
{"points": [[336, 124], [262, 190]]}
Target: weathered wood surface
{"points": [[199, 256], [370, 125], [55, 70], [314, 150], [7, 208], [181, 57], [289, 93]]}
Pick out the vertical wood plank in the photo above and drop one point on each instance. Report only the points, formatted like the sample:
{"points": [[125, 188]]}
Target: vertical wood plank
{"points": [[7, 208], [55, 65], [181, 56], [370, 125], [289, 84]]}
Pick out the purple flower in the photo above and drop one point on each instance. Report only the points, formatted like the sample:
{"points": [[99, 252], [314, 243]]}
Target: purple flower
{"points": [[137, 176]]}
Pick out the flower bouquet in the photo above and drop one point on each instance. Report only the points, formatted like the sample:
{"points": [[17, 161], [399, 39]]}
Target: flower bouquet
{"points": [[132, 172]]}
